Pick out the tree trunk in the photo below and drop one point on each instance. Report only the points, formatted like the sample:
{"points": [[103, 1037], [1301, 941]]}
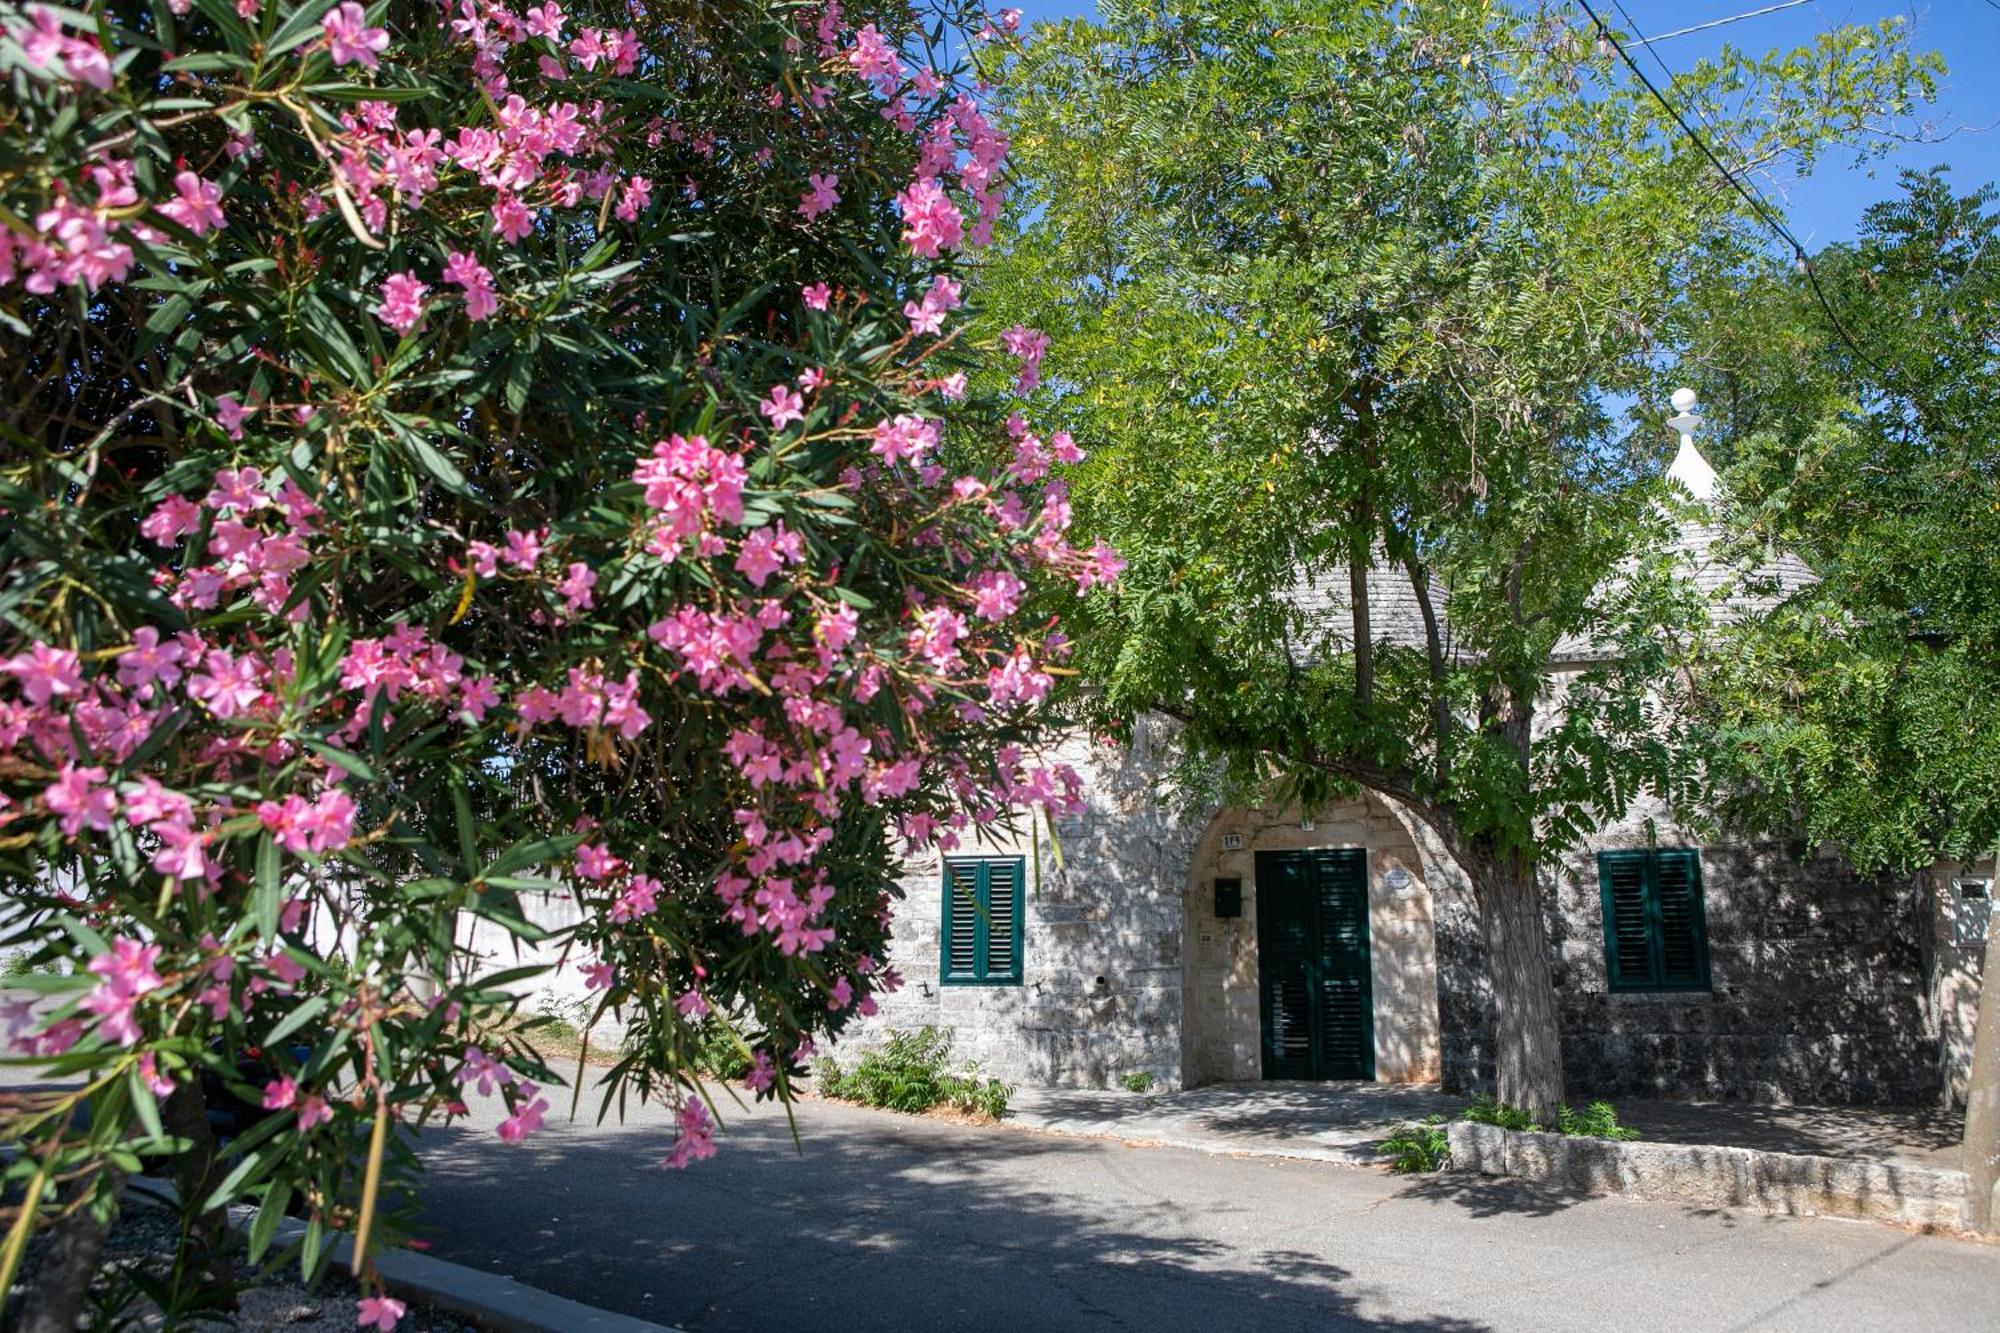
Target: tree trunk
{"points": [[1528, 1052], [1982, 1093], [61, 1288], [184, 1113]]}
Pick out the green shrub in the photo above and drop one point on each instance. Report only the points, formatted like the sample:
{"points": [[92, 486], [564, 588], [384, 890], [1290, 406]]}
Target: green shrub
{"points": [[1599, 1120], [719, 1053], [1486, 1109], [912, 1073], [1423, 1146], [1140, 1081]]}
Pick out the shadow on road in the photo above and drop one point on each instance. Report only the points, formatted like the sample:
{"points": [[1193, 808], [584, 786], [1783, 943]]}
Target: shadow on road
{"points": [[884, 1223]]}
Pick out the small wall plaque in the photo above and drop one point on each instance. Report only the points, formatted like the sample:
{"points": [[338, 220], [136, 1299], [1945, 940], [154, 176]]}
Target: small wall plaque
{"points": [[1232, 842], [1969, 907], [1228, 898]]}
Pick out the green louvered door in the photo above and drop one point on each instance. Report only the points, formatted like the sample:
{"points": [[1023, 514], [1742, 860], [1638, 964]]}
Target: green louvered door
{"points": [[1317, 1007]]}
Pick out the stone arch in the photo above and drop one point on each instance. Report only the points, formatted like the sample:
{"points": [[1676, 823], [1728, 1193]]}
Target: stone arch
{"points": [[1220, 1033]]}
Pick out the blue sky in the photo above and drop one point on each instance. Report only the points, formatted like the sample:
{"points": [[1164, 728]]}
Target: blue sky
{"points": [[1826, 206]]}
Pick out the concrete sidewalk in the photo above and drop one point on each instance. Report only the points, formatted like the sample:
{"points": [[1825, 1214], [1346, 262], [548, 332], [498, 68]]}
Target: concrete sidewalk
{"points": [[1344, 1122], [1322, 1122]]}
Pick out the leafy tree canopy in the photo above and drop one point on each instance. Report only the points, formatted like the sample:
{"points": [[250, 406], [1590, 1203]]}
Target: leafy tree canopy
{"points": [[1866, 714]]}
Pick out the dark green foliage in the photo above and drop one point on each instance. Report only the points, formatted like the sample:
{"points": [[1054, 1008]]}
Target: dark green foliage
{"points": [[1598, 1120], [1139, 1081], [1419, 1147], [912, 1073], [1865, 713], [1486, 1109]]}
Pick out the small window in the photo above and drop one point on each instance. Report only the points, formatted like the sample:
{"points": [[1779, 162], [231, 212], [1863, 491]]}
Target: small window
{"points": [[1655, 927], [984, 902]]}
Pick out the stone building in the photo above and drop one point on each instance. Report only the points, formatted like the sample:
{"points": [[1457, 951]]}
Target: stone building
{"points": [[1343, 942]]}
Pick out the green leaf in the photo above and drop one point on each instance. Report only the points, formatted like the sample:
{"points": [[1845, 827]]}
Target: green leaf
{"points": [[269, 892], [300, 1015], [300, 26], [530, 852], [276, 1200], [347, 759]]}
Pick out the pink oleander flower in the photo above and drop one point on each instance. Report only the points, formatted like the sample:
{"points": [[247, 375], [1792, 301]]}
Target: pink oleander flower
{"points": [[197, 204], [149, 1072], [128, 966], [594, 861], [527, 1117], [598, 976], [402, 306], [575, 585], [464, 270], [280, 1094], [349, 39], [816, 296], [44, 673], [313, 1112], [782, 407], [82, 799], [822, 195], [697, 1136], [230, 415], [512, 219], [379, 1312], [633, 198]]}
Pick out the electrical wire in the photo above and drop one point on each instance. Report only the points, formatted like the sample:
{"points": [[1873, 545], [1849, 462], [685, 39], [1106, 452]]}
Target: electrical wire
{"points": [[1757, 203], [1733, 18]]}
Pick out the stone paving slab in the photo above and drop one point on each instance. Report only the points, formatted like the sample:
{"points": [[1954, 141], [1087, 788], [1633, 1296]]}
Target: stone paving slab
{"points": [[1324, 1122], [1343, 1122]]}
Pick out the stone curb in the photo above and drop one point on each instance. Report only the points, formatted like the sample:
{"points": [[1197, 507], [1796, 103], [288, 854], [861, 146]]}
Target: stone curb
{"points": [[496, 1303], [1785, 1183]]}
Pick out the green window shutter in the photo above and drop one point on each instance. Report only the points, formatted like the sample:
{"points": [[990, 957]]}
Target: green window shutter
{"points": [[984, 902], [1655, 931], [1628, 952], [1683, 931]]}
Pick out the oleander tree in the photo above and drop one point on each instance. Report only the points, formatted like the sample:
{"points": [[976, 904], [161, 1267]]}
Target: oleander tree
{"points": [[456, 456]]}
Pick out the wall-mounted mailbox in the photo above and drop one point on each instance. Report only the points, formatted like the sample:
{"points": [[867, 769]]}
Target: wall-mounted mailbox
{"points": [[1228, 898], [1970, 905]]}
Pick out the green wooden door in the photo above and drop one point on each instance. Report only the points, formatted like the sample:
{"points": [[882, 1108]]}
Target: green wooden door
{"points": [[1315, 1000]]}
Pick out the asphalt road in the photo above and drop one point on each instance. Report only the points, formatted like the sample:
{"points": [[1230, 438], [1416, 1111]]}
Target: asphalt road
{"points": [[892, 1222]]}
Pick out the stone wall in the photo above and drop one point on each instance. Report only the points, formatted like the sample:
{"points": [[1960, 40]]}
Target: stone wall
{"points": [[1100, 996], [1819, 984]]}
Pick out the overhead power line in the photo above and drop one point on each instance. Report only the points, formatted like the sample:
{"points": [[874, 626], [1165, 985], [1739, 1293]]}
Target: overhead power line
{"points": [[1757, 202], [1736, 18]]}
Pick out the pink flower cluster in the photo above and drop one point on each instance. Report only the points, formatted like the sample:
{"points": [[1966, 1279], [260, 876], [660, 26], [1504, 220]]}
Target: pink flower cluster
{"points": [[525, 1104], [927, 315], [688, 483], [587, 701]]}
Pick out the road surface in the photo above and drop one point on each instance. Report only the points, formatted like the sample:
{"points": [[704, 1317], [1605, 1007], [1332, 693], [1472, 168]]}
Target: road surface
{"points": [[894, 1222]]}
